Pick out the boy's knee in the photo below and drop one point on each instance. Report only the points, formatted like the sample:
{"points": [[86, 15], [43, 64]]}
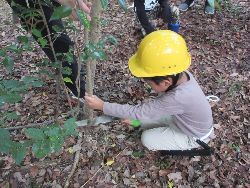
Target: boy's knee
{"points": [[147, 139]]}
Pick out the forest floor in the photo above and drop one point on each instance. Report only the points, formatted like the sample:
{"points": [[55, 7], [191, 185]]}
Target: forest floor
{"points": [[220, 47]]}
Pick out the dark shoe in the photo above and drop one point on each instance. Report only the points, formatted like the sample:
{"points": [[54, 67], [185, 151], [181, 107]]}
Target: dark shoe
{"points": [[186, 5], [174, 27]]}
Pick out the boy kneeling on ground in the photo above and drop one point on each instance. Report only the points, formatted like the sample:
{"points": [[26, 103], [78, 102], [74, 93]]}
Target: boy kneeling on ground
{"points": [[181, 114]]}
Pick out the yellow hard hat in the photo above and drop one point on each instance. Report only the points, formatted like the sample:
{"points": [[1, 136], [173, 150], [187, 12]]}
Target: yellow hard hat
{"points": [[160, 53]]}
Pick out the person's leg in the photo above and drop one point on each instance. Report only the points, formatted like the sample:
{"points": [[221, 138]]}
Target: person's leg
{"points": [[167, 16], [167, 138], [61, 43], [166, 11], [186, 5], [142, 16]]}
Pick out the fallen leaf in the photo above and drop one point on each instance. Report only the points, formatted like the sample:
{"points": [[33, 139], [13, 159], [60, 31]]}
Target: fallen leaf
{"points": [[19, 177], [33, 171], [176, 176], [110, 161]]}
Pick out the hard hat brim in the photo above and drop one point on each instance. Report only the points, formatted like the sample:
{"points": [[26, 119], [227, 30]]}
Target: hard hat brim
{"points": [[138, 71]]}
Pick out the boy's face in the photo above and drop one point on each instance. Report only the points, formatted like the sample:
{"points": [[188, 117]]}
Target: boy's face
{"points": [[161, 87]]}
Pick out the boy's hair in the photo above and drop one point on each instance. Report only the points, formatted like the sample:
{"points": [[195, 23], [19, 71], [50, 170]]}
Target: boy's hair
{"points": [[159, 79]]}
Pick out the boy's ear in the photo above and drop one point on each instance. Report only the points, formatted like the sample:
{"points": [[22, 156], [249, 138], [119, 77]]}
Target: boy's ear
{"points": [[167, 82]]}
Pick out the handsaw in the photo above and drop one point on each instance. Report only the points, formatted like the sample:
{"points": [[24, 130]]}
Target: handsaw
{"points": [[106, 119], [97, 120]]}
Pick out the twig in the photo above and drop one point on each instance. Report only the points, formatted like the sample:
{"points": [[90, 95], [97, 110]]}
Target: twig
{"points": [[76, 161], [92, 176], [36, 124], [101, 168]]}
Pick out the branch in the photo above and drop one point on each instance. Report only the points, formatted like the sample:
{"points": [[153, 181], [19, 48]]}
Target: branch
{"points": [[54, 54], [76, 161], [45, 123]]}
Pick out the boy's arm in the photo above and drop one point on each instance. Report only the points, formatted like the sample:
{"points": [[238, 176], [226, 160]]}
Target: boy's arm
{"points": [[148, 111], [155, 109]]}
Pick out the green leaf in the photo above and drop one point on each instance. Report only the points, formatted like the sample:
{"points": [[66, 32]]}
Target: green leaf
{"points": [[42, 41], [56, 143], [10, 84], [68, 80], [69, 56], [104, 4], [36, 32], [11, 116], [13, 48], [57, 28], [4, 134], [8, 63], [36, 134], [61, 12], [84, 56], [83, 18], [32, 81], [66, 71], [16, 149], [99, 55], [123, 5], [23, 39], [138, 154], [69, 127], [170, 184], [40, 149], [5, 143], [112, 39], [18, 152], [218, 6], [10, 98], [2, 52], [5, 146], [109, 38], [52, 132]]}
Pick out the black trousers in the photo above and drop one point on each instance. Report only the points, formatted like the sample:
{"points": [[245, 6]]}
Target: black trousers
{"points": [[143, 18], [61, 44]]}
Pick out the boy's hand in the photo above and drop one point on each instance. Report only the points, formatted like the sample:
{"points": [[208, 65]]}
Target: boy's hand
{"points": [[126, 121], [94, 102], [134, 123]]}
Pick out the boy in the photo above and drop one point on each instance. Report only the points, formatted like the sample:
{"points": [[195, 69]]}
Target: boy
{"points": [[141, 6], [181, 113], [209, 6]]}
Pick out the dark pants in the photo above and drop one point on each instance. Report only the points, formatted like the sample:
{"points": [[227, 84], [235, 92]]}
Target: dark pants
{"points": [[61, 44], [143, 18]]}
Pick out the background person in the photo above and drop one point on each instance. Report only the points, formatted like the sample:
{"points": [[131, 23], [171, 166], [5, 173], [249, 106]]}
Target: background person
{"points": [[61, 43]]}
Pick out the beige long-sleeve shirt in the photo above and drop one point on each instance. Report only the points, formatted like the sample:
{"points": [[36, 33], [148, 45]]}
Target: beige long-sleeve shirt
{"points": [[186, 104]]}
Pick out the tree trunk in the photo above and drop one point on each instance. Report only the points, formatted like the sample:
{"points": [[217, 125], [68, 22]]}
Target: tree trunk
{"points": [[94, 35]]}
